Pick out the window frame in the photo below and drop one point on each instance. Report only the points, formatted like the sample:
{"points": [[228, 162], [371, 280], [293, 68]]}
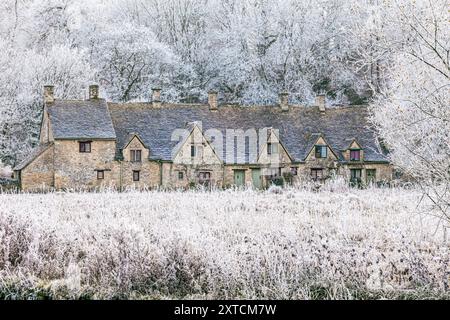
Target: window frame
{"points": [[356, 181], [374, 175], [294, 171], [318, 155], [315, 177], [272, 148], [204, 177], [138, 173], [134, 157], [359, 154], [100, 174], [82, 146]]}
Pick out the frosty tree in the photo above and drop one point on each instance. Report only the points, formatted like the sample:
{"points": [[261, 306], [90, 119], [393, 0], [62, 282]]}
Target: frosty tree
{"points": [[412, 110]]}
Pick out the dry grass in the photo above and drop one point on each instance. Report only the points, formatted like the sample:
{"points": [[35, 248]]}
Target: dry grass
{"points": [[293, 244]]}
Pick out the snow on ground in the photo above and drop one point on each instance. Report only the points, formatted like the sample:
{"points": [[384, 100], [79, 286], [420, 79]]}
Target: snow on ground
{"points": [[289, 244]]}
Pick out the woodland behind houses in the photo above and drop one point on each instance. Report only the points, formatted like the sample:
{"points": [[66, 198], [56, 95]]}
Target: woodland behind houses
{"points": [[392, 55]]}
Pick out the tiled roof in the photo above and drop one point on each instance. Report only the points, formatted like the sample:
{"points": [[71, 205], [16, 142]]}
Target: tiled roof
{"points": [[81, 119], [33, 155], [298, 128]]}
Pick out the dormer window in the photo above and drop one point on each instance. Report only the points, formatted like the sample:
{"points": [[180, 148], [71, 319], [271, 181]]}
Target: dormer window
{"points": [[136, 155], [355, 155], [321, 152], [272, 148], [85, 146]]}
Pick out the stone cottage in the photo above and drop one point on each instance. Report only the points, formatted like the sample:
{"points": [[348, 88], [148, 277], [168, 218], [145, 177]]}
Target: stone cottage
{"points": [[92, 143]]}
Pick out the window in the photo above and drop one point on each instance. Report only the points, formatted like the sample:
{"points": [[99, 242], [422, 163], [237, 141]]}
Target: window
{"points": [[272, 173], [136, 175], [370, 176], [204, 177], [136, 155], [355, 176], [272, 148], [355, 155], [317, 174], [180, 175], [294, 171], [193, 151], [100, 174], [321, 152], [85, 147]]}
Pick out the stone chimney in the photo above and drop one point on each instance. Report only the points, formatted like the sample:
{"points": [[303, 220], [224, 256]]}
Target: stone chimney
{"points": [[93, 92], [212, 100], [48, 94], [320, 102], [156, 97], [284, 101]]}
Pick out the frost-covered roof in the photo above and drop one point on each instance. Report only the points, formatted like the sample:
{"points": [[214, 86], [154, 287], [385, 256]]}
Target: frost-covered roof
{"points": [[81, 119], [33, 155], [298, 128]]}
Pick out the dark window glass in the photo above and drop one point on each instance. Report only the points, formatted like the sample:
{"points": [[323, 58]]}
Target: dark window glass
{"points": [[316, 174], [294, 171], [135, 175], [355, 173], [355, 155], [355, 177], [180, 175], [85, 147], [100, 174], [192, 151], [136, 155], [321, 152], [204, 178], [371, 175]]}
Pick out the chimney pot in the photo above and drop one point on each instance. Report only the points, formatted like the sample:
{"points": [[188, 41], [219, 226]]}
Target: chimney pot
{"points": [[156, 97], [93, 91], [212, 100], [48, 94], [284, 101], [320, 102]]}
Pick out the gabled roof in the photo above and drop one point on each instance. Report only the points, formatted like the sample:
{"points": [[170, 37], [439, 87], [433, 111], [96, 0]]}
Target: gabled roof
{"points": [[81, 119], [130, 137], [313, 141], [36, 152], [350, 144], [269, 135], [296, 126]]}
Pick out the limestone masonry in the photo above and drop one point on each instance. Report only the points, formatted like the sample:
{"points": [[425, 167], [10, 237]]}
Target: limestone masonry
{"points": [[92, 143]]}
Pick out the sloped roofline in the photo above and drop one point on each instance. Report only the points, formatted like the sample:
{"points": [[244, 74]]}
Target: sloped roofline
{"points": [[28, 160], [315, 143], [195, 125], [357, 142], [279, 142], [133, 135]]}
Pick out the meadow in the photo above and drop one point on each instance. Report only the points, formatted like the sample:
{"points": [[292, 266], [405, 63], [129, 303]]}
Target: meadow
{"points": [[337, 243]]}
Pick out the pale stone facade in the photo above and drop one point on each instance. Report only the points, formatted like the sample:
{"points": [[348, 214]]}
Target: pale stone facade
{"points": [[91, 144]]}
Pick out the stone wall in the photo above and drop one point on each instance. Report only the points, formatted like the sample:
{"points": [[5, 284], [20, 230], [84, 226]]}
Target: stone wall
{"points": [[149, 174], [39, 173], [63, 166], [383, 171], [190, 174], [75, 169]]}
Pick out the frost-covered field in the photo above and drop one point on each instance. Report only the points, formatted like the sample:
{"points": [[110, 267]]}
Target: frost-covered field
{"points": [[293, 244]]}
